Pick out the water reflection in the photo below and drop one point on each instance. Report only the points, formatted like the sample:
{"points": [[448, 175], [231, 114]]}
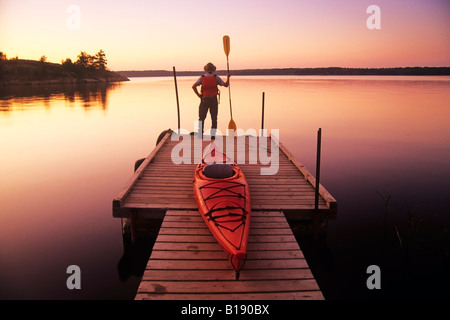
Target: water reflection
{"points": [[88, 95], [60, 169]]}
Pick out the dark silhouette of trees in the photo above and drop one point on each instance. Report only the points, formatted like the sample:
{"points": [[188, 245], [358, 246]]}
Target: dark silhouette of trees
{"points": [[87, 68], [68, 65], [100, 60], [95, 62], [86, 64], [84, 60]]}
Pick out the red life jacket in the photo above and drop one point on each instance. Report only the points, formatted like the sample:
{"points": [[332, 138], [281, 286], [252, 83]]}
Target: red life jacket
{"points": [[209, 86]]}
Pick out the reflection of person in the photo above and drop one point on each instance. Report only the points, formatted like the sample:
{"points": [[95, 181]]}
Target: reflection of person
{"points": [[209, 91]]}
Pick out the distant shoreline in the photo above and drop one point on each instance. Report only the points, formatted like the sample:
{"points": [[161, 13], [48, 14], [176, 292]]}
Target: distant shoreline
{"points": [[330, 71]]}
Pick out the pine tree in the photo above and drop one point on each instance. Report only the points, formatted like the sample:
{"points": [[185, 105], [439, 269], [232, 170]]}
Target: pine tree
{"points": [[100, 60]]}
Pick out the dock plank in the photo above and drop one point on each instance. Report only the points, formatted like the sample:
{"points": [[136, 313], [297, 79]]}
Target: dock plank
{"points": [[297, 295], [213, 275], [227, 286]]}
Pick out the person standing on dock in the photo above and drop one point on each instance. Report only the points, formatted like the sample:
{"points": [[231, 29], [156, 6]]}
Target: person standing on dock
{"points": [[209, 92]]}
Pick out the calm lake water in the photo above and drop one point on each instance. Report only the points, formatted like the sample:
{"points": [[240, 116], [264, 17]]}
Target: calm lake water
{"points": [[67, 151]]}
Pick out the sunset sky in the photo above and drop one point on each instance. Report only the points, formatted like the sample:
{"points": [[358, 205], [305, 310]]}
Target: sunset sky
{"points": [[157, 34]]}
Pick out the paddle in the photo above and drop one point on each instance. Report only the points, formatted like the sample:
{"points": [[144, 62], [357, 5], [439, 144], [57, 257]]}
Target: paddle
{"points": [[226, 48]]}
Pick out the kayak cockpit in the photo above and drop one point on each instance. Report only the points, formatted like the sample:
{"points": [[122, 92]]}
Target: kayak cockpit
{"points": [[218, 171]]}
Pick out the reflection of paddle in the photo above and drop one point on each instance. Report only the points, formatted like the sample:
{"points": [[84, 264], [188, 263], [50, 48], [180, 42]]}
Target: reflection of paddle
{"points": [[226, 48]]}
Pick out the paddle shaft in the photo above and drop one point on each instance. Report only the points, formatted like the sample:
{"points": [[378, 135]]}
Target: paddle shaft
{"points": [[229, 89], [226, 48]]}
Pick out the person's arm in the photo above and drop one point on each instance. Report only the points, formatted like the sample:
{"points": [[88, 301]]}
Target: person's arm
{"points": [[227, 83], [195, 85], [220, 82]]}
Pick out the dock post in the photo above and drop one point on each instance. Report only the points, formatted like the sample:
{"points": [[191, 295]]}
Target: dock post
{"points": [[126, 233], [319, 142], [316, 222], [262, 120], [133, 225], [178, 103]]}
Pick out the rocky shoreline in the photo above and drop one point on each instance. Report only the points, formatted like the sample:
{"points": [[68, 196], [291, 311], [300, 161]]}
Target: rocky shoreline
{"points": [[30, 73]]}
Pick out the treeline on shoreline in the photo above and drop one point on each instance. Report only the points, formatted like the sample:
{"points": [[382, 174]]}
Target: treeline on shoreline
{"points": [[87, 68], [330, 71]]}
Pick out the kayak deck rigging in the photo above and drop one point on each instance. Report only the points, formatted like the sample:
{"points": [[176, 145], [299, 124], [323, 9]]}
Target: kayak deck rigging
{"points": [[216, 208]]}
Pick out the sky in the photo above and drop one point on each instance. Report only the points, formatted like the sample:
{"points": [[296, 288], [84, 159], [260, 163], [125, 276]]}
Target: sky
{"points": [[159, 34]]}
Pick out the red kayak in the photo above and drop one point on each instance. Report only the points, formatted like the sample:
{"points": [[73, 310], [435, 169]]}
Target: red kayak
{"points": [[223, 198]]}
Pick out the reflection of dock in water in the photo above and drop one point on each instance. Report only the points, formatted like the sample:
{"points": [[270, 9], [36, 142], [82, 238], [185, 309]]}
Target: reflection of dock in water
{"points": [[187, 262]]}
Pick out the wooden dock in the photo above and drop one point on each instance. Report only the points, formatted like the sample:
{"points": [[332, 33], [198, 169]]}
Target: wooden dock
{"points": [[186, 261]]}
